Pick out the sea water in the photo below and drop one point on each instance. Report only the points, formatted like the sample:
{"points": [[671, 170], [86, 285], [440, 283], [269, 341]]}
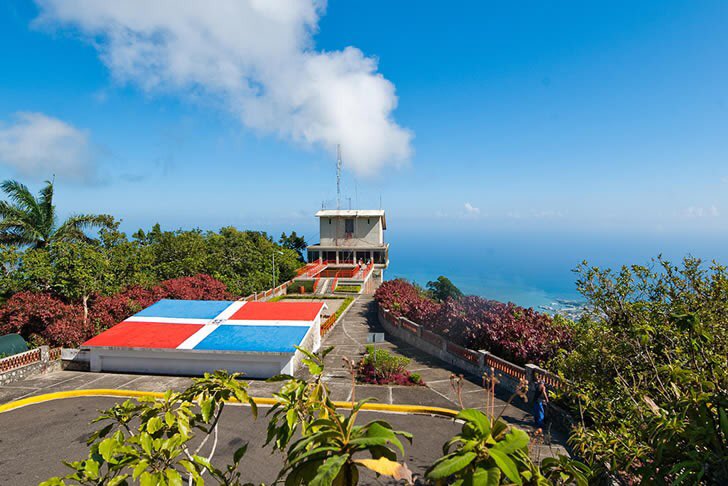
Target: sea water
{"points": [[532, 268]]}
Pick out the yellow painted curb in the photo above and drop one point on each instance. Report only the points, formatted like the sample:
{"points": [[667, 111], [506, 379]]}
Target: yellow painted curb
{"points": [[104, 392]]}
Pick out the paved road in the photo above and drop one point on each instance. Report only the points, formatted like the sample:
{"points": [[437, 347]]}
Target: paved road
{"points": [[35, 439]]}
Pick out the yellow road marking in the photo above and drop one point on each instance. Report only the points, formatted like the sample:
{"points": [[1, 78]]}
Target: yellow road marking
{"points": [[104, 392]]}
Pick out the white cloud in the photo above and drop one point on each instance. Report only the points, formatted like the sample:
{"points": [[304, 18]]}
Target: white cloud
{"points": [[38, 145], [471, 210], [253, 57], [700, 212]]}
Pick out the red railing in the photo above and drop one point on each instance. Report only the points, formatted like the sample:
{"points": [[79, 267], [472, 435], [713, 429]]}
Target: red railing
{"points": [[465, 353], [411, 327], [505, 367], [432, 338], [316, 283], [20, 360], [548, 378], [328, 324], [27, 358], [312, 269]]}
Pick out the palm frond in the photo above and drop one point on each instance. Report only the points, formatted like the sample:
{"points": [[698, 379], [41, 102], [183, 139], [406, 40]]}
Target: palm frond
{"points": [[45, 205], [20, 195], [18, 233], [23, 212], [74, 228]]}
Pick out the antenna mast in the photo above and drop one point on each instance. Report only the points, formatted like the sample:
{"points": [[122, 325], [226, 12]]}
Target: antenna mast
{"points": [[338, 176]]}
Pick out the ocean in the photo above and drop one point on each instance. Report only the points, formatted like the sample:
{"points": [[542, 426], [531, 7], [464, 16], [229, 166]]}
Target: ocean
{"points": [[532, 268]]}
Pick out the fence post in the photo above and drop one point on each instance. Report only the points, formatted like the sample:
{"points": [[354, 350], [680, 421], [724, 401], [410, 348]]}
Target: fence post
{"points": [[531, 377], [45, 357], [482, 353]]}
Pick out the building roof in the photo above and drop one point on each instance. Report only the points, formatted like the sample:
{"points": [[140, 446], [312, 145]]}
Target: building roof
{"points": [[278, 311], [186, 324], [352, 243], [131, 334], [353, 213]]}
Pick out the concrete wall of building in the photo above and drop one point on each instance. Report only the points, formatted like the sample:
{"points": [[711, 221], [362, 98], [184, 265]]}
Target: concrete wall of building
{"points": [[367, 230], [189, 362]]}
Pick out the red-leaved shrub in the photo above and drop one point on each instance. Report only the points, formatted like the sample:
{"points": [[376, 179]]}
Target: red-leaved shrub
{"points": [[42, 318], [404, 300], [509, 331], [199, 287]]}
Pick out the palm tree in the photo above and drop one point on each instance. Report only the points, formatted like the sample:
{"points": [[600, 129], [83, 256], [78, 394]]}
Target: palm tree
{"points": [[26, 220]]}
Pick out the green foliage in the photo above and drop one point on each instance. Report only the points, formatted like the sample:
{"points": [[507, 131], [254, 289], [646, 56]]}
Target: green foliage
{"points": [[385, 363], [242, 260], [329, 441], [294, 242], [298, 402], [649, 373], [149, 441], [488, 451], [348, 288], [76, 270], [26, 220], [443, 289]]}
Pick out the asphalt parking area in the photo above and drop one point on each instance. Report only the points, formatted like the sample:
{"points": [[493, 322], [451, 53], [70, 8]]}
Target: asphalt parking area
{"points": [[36, 438]]}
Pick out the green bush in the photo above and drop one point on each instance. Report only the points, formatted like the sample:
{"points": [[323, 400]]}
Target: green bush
{"points": [[381, 367], [348, 288], [295, 287], [344, 305]]}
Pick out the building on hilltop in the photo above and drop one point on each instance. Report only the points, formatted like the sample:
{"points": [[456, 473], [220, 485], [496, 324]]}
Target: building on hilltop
{"points": [[352, 237]]}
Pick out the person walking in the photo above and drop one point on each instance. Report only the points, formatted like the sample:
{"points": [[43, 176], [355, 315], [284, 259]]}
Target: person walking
{"points": [[539, 403]]}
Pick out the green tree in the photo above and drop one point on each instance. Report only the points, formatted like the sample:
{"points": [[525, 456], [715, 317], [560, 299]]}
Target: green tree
{"points": [[649, 372], [26, 220], [294, 242], [80, 271], [443, 289]]}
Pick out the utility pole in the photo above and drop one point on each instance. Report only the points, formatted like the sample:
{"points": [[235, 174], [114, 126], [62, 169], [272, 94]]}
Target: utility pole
{"points": [[274, 267], [338, 176]]}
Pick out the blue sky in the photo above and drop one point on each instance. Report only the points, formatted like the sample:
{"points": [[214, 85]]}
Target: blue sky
{"points": [[581, 117]]}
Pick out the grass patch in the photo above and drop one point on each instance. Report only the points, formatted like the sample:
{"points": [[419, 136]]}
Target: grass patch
{"points": [[344, 305], [348, 288]]}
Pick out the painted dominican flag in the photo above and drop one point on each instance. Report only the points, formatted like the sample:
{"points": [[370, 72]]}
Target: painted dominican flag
{"points": [[211, 325]]}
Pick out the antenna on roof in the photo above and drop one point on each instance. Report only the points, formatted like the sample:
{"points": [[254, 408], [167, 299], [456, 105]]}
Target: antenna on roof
{"points": [[338, 176], [380, 201]]}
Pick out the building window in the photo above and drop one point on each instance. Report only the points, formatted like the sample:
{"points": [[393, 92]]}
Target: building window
{"points": [[329, 220], [348, 226]]}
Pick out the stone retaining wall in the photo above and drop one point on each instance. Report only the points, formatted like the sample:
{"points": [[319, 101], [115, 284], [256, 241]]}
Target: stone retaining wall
{"points": [[36, 361]]}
